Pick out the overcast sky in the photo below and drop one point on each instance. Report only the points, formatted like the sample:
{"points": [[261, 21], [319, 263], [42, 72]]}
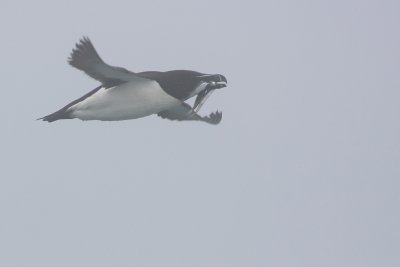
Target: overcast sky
{"points": [[302, 171]]}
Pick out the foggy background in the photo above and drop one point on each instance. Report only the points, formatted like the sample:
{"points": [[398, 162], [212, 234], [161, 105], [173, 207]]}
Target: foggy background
{"points": [[302, 171]]}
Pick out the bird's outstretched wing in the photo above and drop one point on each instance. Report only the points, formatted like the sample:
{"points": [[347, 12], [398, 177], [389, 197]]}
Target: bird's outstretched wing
{"points": [[184, 112], [85, 57]]}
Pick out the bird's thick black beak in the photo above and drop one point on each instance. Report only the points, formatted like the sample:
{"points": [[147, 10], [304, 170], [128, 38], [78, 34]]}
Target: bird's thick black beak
{"points": [[222, 78], [222, 82], [215, 81], [219, 81]]}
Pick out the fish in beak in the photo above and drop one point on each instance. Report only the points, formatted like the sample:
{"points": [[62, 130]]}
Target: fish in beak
{"points": [[215, 81]]}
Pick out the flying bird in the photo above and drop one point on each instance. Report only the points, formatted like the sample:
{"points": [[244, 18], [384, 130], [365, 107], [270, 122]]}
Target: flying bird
{"points": [[125, 95]]}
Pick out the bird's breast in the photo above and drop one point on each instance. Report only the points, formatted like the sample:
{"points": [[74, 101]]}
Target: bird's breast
{"points": [[126, 101]]}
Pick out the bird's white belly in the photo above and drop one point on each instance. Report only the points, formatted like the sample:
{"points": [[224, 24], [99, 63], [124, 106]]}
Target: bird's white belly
{"points": [[126, 101]]}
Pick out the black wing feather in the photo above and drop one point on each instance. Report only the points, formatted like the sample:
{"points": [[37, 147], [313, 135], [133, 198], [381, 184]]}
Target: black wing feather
{"points": [[184, 112], [85, 58]]}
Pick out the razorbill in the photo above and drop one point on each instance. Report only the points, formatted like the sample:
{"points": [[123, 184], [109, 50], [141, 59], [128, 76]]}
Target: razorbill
{"points": [[125, 95]]}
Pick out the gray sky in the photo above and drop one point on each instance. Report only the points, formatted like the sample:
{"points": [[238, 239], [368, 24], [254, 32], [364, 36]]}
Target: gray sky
{"points": [[302, 171]]}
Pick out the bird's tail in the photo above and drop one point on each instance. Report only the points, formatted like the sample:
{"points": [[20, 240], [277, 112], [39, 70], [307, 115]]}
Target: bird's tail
{"points": [[58, 115]]}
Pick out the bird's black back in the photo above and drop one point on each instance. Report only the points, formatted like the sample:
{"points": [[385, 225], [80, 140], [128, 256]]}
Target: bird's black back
{"points": [[177, 83]]}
